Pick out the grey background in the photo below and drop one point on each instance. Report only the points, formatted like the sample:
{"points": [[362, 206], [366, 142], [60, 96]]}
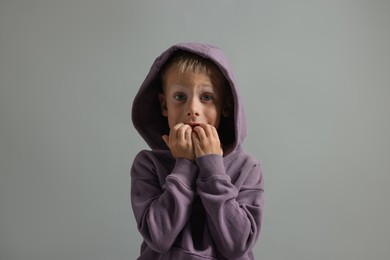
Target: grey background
{"points": [[314, 77]]}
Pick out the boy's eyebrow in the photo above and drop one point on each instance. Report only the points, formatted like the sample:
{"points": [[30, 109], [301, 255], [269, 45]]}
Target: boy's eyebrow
{"points": [[178, 84], [212, 87]]}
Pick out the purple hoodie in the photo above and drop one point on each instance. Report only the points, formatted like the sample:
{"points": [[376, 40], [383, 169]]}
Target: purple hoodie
{"points": [[210, 209]]}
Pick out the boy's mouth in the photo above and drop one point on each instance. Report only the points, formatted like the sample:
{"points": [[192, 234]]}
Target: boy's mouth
{"points": [[193, 124]]}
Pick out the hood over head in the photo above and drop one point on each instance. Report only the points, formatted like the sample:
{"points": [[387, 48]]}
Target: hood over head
{"points": [[146, 111]]}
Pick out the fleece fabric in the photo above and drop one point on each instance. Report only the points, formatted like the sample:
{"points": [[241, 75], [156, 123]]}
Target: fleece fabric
{"points": [[210, 209]]}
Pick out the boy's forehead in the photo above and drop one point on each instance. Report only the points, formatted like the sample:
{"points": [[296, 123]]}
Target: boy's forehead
{"points": [[174, 73]]}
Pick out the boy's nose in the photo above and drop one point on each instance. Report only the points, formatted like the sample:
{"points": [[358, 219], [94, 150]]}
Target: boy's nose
{"points": [[190, 113], [193, 108]]}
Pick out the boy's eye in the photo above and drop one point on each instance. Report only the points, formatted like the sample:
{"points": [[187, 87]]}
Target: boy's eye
{"points": [[179, 97], [207, 97]]}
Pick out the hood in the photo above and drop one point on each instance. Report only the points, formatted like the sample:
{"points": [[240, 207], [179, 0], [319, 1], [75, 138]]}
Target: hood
{"points": [[146, 113]]}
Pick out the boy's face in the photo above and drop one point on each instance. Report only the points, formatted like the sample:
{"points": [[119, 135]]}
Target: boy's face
{"points": [[191, 98]]}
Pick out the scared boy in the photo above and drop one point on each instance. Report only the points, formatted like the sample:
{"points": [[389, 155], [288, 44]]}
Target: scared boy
{"points": [[196, 194]]}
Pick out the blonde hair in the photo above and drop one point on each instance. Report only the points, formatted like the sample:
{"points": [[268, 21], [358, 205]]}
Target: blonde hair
{"points": [[186, 61]]}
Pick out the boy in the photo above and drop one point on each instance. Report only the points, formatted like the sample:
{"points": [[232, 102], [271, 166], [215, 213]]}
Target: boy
{"points": [[196, 194]]}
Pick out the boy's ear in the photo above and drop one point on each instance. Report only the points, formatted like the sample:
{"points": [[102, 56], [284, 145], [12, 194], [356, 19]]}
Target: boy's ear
{"points": [[228, 107], [163, 104]]}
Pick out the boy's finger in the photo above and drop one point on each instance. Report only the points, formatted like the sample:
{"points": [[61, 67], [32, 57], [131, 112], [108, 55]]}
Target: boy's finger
{"points": [[198, 148], [182, 131], [208, 129], [195, 138], [201, 132], [175, 129], [203, 125], [188, 133], [215, 132]]}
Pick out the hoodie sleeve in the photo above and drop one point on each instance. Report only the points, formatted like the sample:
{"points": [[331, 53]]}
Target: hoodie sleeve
{"points": [[234, 216], [161, 212]]}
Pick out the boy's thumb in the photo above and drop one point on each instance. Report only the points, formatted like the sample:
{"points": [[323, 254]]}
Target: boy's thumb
{"points": [[166, 139]]}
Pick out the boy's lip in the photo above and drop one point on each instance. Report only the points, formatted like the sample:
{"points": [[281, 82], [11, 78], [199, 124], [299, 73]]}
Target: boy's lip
{"points": [[192, 124]]}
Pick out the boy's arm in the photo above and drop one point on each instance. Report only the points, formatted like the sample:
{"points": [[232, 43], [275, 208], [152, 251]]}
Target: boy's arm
{"points": [[161, 212], [234, 216]]}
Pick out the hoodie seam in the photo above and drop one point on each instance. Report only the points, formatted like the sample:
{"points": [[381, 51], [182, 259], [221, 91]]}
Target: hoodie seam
{"points": [[180, 182], [190, 253]]}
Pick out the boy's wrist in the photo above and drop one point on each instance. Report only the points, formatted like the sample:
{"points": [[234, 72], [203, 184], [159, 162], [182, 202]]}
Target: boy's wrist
{"points": [[210, 165], [186, 171]]}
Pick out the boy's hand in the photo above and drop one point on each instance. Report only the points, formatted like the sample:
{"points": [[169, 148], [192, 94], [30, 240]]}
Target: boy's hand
{"points": [[179, 142], [206, 140]]}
